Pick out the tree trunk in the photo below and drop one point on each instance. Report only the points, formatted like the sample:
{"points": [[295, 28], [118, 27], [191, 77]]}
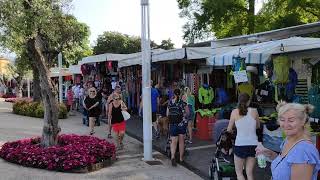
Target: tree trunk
{"points": [[19, 87], [251, 16], [36, 84], [51, 127]]}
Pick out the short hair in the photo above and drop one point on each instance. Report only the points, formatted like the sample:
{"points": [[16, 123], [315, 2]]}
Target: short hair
{"points": [[301, 110]]}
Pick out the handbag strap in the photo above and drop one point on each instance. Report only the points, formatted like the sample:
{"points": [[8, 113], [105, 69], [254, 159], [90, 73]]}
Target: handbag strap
{"points": [[289, 151]]}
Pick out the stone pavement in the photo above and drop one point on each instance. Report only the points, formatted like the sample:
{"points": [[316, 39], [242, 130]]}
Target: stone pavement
{"points": [[129, 165], [200, 153]]}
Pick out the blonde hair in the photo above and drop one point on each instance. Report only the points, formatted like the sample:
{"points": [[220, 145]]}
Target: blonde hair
{"points": [[301, 110], [116, 96], [187, 91]]}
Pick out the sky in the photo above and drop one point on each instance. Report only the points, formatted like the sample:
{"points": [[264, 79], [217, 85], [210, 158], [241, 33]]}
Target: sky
{"points": [[124, 16]]}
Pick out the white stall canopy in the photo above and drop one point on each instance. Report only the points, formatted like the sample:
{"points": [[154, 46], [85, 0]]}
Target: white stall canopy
{"points": [[135, 58], [54, 72], [104, 57], [259, 53], [75, 69]]}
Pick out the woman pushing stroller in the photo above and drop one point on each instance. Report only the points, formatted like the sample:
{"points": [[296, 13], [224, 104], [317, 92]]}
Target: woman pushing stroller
{"points": [[176, 111], [246, 120]]}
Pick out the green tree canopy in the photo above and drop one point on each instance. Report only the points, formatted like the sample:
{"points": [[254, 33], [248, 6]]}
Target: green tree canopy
{"points": [[166, 44], [42, 29], [228, 18], [118, 43]]}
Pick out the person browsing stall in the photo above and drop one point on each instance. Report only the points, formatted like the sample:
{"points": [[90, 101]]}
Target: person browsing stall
{"points": [[246, 121], [176, 111], [299, 158]]}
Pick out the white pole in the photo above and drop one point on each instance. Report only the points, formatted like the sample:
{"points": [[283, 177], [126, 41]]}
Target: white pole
{"points": [[28, 87], [60, 77], [146, 91]]}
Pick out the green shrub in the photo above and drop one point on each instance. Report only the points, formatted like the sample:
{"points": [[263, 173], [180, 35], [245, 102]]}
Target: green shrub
{"points": [[63, 112], [35, 109]]}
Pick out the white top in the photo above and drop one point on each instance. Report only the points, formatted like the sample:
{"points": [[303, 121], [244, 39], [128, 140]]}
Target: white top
{"points": [[113, 85], [246, 130]]}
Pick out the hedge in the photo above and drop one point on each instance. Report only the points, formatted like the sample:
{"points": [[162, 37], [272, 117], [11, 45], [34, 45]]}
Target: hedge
{"points": [[35, 109]]}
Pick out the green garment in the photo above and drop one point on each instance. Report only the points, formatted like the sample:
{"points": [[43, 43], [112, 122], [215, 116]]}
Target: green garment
{"points": [[192, 102], [246, 88], [207, 112], [206, 96]]}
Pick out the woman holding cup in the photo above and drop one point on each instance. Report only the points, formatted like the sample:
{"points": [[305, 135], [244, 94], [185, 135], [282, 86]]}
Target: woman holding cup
{"points": [[299, 158]]}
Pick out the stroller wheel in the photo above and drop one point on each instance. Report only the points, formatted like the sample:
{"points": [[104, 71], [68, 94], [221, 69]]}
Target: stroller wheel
{"points": [[216, 175]]}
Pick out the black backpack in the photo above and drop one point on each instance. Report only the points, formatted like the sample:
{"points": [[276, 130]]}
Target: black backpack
{"points": [[175, 111]]}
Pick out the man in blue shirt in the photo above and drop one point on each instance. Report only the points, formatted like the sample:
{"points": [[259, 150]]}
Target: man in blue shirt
{"points": [[155, 96]]}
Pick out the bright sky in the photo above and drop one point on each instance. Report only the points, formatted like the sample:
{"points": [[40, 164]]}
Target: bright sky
{"points": [[124, 16]]}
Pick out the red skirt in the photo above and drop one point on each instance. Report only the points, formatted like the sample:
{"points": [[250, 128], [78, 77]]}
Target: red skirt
{"points": [[119, 127]]}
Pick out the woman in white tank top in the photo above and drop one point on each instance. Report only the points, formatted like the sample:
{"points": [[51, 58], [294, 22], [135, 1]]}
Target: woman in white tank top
{"points": [[246, 121]]}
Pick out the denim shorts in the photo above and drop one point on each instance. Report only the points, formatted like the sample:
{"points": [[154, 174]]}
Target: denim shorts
{"points": [[244, 151], [176, 129]]}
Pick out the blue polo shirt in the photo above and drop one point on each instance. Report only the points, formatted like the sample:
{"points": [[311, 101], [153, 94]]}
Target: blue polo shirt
{"points": [[154, 96]]}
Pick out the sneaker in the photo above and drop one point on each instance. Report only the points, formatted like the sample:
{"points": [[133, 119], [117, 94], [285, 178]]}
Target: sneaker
{"points": [[173, 162]]}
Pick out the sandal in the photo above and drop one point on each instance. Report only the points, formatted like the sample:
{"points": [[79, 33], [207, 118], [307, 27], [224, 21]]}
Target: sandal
{"points": [[109, 136]]}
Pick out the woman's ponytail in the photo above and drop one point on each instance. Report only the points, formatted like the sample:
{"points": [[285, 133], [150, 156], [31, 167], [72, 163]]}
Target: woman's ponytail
{"points": [[242, 104]]}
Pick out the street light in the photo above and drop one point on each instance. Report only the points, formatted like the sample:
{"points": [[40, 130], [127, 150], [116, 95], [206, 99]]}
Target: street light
{"points": [[146, 91], [60, 77]]}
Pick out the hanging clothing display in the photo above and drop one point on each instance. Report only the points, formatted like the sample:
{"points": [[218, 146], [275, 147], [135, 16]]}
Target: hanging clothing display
{"points": [[246, 88], [206, 95]]}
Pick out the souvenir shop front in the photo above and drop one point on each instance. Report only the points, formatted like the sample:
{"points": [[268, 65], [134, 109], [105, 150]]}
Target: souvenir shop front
{"points": [[101, 70], [288, 66]]}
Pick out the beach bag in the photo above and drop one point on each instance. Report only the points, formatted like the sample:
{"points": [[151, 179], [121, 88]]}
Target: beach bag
{"points": [[281, 66], [125, 115]]}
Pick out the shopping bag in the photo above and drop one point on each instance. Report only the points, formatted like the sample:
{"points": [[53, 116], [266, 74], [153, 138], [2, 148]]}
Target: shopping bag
{"points": [[125, 115]]}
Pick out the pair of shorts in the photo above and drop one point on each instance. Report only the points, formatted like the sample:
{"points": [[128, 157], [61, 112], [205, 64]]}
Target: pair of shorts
{"points": [[154, 116], [176, 129], [119, 127], [245, 151]]}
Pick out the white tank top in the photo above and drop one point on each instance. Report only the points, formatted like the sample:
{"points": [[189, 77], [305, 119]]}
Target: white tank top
{"points": [[246, 130]]}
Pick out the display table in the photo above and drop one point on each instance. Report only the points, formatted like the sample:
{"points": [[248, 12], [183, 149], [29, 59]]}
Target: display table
{"points": [[205, 126]]}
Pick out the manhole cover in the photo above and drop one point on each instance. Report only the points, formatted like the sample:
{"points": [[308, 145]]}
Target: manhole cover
{"points": [[154, 163]]}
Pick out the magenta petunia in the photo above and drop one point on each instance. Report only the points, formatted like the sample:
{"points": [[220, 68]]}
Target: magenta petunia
{"points": [[71, 152]]}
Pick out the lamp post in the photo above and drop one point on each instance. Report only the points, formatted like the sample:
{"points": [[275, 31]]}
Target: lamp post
{"points": [[146, 91], [60, 77]]}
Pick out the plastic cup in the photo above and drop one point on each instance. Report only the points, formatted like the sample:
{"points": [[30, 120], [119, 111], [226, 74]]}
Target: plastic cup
{"points": [[262, 161]]}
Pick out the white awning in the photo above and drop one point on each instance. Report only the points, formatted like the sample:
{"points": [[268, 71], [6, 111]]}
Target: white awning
{"points": [[135, 58], [261, 52], [104, 57], [171, 54], [54, 72], [75, 69]]}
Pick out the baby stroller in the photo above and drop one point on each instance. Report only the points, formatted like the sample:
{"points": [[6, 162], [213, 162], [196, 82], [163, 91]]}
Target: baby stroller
{"points": [[167, 149], [222, 165]]}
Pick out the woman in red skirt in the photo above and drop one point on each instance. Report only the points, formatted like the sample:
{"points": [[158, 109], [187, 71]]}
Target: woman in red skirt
{"points": [[117, 121]]}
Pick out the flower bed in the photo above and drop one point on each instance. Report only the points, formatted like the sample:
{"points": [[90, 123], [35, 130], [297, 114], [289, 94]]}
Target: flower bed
{"points": [[72, 154]]}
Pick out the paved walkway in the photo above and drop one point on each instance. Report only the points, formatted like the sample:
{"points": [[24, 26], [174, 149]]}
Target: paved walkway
{"points": [[128, 166], [200, 153]]}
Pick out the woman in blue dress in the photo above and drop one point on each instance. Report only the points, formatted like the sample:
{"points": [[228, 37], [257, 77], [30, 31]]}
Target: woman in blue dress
{"points": [[299, 158]]}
